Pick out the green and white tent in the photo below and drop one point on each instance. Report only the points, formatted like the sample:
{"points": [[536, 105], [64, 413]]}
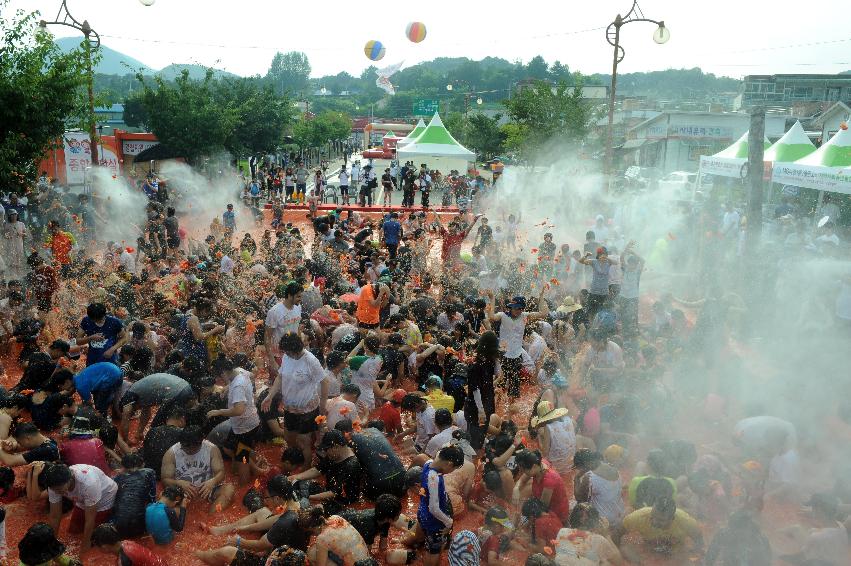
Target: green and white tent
{"points": [[414, 134], [826, 169], [728, 162], [390, 134], [435, 143], [793, 146]]}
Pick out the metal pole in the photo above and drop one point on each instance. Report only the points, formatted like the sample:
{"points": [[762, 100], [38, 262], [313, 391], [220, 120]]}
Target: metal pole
{"points": [[93, 141], [610, 130], [756, 151]]}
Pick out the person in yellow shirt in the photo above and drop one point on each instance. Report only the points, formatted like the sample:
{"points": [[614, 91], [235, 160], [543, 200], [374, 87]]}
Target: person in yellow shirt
{"points": [[663, 527], [438, 398]]}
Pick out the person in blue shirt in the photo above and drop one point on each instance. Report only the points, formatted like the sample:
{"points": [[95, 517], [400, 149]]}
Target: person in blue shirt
{"points": [[254, 190], [101, 332], [99, 382], [168, 515], [392, 234], [229, 219], [434, 515]]}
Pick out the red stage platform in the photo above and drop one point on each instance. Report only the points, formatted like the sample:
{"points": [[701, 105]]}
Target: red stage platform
{"points": [[375, 209]]}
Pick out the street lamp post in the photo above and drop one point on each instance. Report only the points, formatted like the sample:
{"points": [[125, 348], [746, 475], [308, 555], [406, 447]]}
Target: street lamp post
{"points": [[64, 18], [613, 34], [468, 96]]}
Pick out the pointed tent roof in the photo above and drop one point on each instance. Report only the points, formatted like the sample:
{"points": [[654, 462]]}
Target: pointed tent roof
{"points": [[390, 134], [791, 147], [436, 140], [835, 153], [739, 149], [413, 134]]}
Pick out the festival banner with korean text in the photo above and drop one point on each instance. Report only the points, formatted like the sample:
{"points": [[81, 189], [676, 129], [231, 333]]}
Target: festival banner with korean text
{"points": [[813, 177], [722, 166], [78, 157]]}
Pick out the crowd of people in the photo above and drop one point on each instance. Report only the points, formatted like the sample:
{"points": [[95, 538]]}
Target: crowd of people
{"points": [[441, 383]]}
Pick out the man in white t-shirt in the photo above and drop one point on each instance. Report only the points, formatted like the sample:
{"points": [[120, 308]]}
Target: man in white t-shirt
{"points": [[344, 185], [424, 428], [444, 421], [92, 492], [242, 413], [282, 318], [753, 434], [511, 328], [730, 222], [303, 386], [344, 406]]}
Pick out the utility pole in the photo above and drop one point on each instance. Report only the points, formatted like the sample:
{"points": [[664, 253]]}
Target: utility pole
{"points": [[64, 18], [756, 151]]}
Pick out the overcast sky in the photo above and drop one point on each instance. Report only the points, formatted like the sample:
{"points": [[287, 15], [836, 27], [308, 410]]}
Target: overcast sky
{"points": [[727, 37]]}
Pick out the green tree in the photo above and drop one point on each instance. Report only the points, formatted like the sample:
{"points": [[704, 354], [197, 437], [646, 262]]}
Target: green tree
{"points": [[537, 68], [543, 113], [324, 128], [484, 135], [454, 123], [187, 117], [559, 72], [289, 72], [262, 116], [135, 114], [39, 90]]}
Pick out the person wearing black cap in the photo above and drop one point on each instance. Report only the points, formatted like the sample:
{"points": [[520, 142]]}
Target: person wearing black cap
{"points": [[512, 324]]}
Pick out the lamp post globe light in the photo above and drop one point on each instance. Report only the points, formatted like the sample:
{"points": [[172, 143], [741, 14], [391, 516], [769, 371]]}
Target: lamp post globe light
{"points": [[613, 33], [64, 18]]}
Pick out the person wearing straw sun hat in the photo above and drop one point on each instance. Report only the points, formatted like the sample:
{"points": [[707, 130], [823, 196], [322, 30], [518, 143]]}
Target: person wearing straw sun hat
{"points": [[568, 306], [556, 435]]}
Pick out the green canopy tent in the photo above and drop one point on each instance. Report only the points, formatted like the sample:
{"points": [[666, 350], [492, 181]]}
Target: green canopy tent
{"points": [[794, 145], [436, 147], [826, 169], [414, 134], [728, 162]]}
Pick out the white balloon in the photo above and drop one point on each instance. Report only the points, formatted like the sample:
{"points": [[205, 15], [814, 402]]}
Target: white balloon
{"points": [[147, 2]]}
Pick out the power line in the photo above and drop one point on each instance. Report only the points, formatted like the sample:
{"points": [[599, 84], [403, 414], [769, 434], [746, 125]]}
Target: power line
{"points": [[335, 48]]}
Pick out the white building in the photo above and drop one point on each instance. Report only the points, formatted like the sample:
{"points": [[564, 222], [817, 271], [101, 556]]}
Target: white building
{"points": [[831, 119], [675, 140]]}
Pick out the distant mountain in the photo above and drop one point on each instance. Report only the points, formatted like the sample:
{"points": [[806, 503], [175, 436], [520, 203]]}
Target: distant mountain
{"points": [[195, 72], [112, 62], [116, 63]]}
